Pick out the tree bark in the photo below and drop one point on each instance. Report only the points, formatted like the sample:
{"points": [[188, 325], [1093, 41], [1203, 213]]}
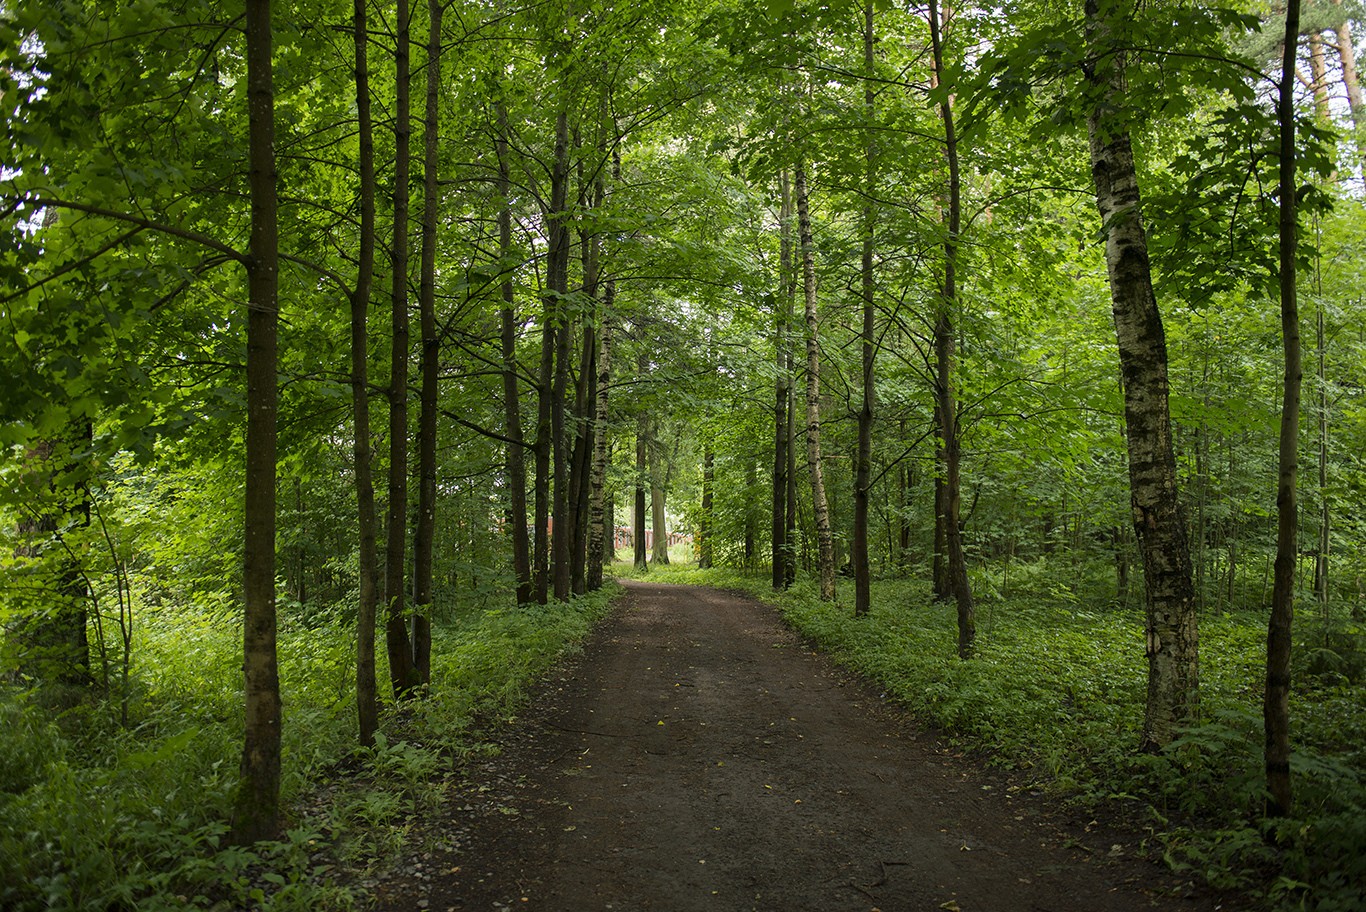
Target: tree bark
{"points": [[1172, 636], [1325, 538], [944, 344], [658, 521], [642, 481], [863, 459], [515, 455], [601, 537], [367, 697], [782, 392], [395, 592], [256, 812], [557, 286], [825, 541], [1351, 81], [1276, 701], [425, 533], [704, 532]]}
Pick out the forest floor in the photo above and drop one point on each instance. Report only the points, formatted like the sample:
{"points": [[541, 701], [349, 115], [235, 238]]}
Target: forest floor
{"points": [[699, 756]]}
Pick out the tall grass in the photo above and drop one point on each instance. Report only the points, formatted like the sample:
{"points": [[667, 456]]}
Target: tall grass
{"points": [[96, 815]]}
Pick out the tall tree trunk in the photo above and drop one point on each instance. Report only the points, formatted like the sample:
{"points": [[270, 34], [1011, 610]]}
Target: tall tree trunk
{"points": [[642, 482], [256, 812], [367, 697], [1172, 636], [601, 536], [1351, 81], [825, 540], [515, 459], [863, 460], [425, 533], [942, 587], [395, 629], [581, 462], [659, 552], [704, 532], [1325, 539], [957, 568], [782, 392], [557, 286], [1276, 702]]}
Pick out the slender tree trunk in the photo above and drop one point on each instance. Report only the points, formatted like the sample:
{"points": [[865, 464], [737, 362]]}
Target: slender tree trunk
{"points": [[782, 547], [1325, 539], [367, 697], [581, 463], [256, 812], [601, 537], [602, 531], [942, 587], [1276, 703], [863, 460], [957, 568], [825, 540], [557, 284], [642, 481], [425, 533], [396, 639], [512, 412], [1172, 637], [704, 532]]}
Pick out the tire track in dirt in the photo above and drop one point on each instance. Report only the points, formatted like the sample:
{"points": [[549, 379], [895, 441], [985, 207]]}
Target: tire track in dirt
{"points": [[698, 757]]}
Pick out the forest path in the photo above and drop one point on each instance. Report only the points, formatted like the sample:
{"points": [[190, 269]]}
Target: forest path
{"points": [[698, 756]]}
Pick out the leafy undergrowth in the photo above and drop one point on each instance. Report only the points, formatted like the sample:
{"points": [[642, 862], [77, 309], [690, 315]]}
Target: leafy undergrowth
{"points": [[1058, 690], [98, 815]]}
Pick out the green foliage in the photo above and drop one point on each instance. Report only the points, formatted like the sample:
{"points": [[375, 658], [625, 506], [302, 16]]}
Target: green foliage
{"points": [[94, 815]]}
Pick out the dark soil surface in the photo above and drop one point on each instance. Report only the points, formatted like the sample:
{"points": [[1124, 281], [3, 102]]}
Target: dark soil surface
{"points": [[698, 756]]}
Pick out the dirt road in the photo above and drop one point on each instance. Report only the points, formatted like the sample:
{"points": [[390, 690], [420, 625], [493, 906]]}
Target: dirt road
{"points": [[698, 757]]}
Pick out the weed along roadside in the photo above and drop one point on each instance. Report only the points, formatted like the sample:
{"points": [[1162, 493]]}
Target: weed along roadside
{"points": [[95, 816]]}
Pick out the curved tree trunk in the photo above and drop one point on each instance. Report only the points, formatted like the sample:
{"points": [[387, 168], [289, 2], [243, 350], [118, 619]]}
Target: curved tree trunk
{"points": [[367, 696], [1172, 638]]}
